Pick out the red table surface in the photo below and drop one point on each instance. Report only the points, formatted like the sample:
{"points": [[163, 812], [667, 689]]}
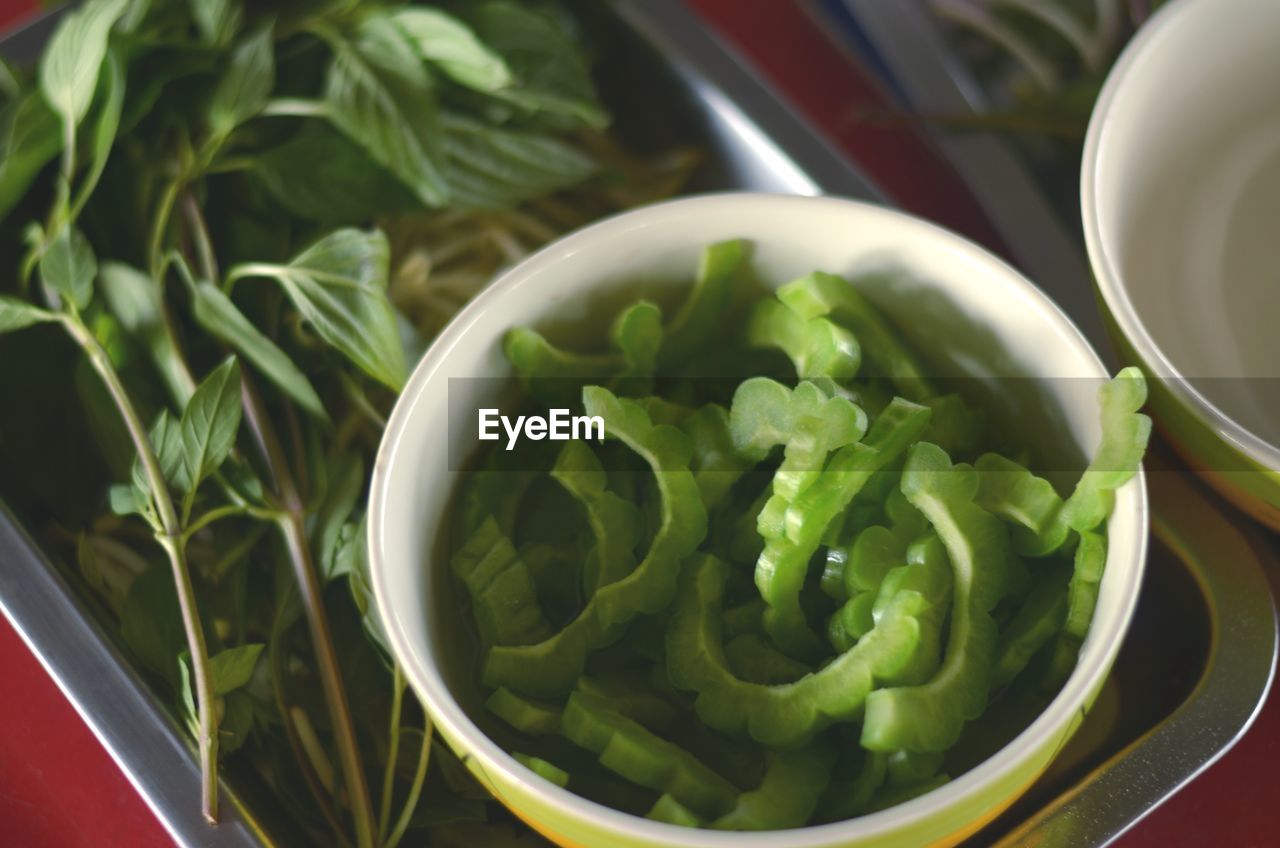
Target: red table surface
{"points": [[59, 787]]}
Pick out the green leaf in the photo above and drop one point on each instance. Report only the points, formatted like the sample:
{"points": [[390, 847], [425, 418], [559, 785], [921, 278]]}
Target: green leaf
{"points": [[345, 481], [494, 168], [353, 190], [246, 85], [217, 20], [237, 722], [380, 95], [166, 444], [16, 314], [210, 421], [348, 551], [30, 135], [232, 668], [219, 316], [550, 73], [105, 124], [354, 561], [339, 285], [100, 417], [450, 44], [71, 61], [126, 500], [134, 299], [68, 266], [151, 623]]}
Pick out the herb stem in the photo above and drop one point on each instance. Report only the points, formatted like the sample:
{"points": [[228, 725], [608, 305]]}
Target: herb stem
{"points": [[415, 790], [290, 731], [248, 269], [227, 511], [389, 773], [170, 538], [161, 224], [200, 235], [293, 529]]}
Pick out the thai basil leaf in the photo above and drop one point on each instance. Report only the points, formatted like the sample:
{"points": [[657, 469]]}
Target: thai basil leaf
{"points": [[379, 94], [71, 61], [16, 314], [246, 85], [550, 73], [30, 135], [151, 624], [134, 299], [236, 723], [101, 418], [339, 285], [490, 167], [155, 70], [219, 316], [217, 20], [354, 561], [354, 189], [230, 669], [345, 478], [106, 124], [209, 423], [166, 444], [450, 45], [69, 267], [124, 499], [347, 552]]}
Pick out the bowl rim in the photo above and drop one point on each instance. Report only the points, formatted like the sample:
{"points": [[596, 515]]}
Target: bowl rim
{"points": [[1106, 268], [422, 673]]}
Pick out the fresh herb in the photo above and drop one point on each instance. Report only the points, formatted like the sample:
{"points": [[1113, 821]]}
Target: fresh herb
{"points": [[248, 219]]}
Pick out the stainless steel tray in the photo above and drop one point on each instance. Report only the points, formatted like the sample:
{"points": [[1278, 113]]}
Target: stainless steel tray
{"points": [[668, 81], [1192, 674]]}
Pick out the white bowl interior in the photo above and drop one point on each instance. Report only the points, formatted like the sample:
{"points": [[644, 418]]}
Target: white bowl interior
{"points": [[979, 315], [1181, 202]]}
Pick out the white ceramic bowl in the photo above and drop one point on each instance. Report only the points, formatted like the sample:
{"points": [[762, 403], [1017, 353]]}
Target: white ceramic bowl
{"points": [[977, 315], [1180, 196]]}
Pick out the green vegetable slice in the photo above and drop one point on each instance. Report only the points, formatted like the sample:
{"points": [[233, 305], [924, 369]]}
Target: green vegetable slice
{"points": [[850, 798], [628, 749], [754, 660], [1045, 521], [790, 714], [817, 347], [793, 783], [1082, 594], [1037, 620], [782, 566], [524, 714], [551, 667], [929, 717], [543, 769], [615, 523], [717, 462], [669, 810], [695, 325], [504, 600], [819, 295]]}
